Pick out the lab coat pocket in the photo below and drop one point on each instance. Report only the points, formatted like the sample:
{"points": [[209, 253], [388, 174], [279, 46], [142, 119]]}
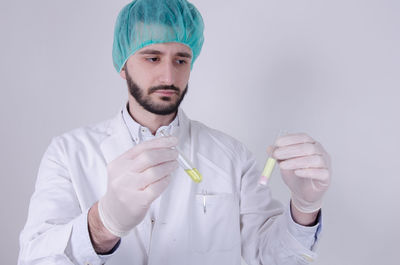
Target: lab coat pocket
{"points": [[213, 224]]}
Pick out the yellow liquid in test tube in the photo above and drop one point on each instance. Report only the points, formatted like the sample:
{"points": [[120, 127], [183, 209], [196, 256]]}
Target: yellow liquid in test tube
{"points": [[270, 165], [187, 165], [194, 174], [266, 174]]}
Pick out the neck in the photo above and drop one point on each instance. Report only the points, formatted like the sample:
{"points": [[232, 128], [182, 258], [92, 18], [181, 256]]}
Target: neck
{"points": [[147, 119]]}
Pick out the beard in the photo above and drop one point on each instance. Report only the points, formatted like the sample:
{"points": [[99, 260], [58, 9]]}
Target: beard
{"points": [[170, 106]]}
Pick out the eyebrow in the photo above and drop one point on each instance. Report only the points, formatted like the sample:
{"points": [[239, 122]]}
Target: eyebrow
{"points": [[150, 52], [180, 54], [184, 54]]}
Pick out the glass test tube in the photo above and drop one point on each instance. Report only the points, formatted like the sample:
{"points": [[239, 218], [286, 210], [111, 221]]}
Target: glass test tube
{"points": [[187, 165], [268, 169], [269, 165]]}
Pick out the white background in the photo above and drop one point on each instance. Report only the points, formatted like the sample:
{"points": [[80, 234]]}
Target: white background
{"points": [[327, 68]]}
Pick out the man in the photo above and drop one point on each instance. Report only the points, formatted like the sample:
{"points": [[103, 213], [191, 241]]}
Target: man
{"points": [[114, 192]]}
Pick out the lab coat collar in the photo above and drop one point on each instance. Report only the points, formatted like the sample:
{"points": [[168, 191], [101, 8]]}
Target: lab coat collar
{"points": [[140, 133], [119, 140]]}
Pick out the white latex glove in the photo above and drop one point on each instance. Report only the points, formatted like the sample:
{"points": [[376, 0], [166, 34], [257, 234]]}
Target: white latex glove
{"points": [[135, 180], [305, 168]]}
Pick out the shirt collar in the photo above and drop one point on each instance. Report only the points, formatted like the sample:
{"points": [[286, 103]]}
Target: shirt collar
{"points": [[140, 133]]}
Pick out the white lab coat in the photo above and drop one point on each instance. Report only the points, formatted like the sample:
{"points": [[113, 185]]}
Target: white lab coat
{"points": [[240, 219]]}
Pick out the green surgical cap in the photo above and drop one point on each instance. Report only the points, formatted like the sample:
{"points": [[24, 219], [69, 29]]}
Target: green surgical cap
{"points": [[145, 22]]}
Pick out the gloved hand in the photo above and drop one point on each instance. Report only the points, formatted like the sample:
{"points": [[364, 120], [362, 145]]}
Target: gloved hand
{"points": [[305, 168], [135, 180]]}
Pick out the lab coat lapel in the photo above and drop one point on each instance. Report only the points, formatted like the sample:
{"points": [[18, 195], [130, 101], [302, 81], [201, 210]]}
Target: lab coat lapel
{"points": [[118, 140], [172, 230], [181, 185], [183, 131]]}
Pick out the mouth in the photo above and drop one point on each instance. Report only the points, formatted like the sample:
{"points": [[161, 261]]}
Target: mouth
{"points": [[166, 92]]}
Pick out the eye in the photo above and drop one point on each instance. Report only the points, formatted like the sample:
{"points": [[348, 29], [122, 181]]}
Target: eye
{"points": [[152, 59], [181, 61]]}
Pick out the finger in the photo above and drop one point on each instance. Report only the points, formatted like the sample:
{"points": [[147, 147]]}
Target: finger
{"points": [[325, 155], [313, 161], [320, 174], [151, 158], [154, 174], [291, 139], [157, 143], [140, 182], [155, 189], [118, 168], [297, 150]]}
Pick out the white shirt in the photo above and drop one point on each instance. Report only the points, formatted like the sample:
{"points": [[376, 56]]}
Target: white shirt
{"points": [[241, 219]]}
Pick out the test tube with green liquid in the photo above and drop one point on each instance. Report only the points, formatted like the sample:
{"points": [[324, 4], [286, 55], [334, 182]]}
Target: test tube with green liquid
{"points": [[187, 165], [270, 164], [268, 169]]}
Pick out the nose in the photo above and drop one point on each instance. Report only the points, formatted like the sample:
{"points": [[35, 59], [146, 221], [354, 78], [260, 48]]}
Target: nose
{"points": [[167, 74]]}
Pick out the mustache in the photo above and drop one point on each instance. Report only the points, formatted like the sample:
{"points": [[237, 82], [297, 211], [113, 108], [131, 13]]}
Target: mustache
{"points": [[171, 87]]}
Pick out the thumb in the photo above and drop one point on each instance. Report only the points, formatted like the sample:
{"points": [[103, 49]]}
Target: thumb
{"points": [[270, 150]]}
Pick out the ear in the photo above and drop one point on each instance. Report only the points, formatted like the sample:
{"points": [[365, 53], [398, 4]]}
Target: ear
{"points": [[123, 73]]}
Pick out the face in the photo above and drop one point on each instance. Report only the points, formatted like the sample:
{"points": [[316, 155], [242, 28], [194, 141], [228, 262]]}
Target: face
{"points": [[157, 76]]}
